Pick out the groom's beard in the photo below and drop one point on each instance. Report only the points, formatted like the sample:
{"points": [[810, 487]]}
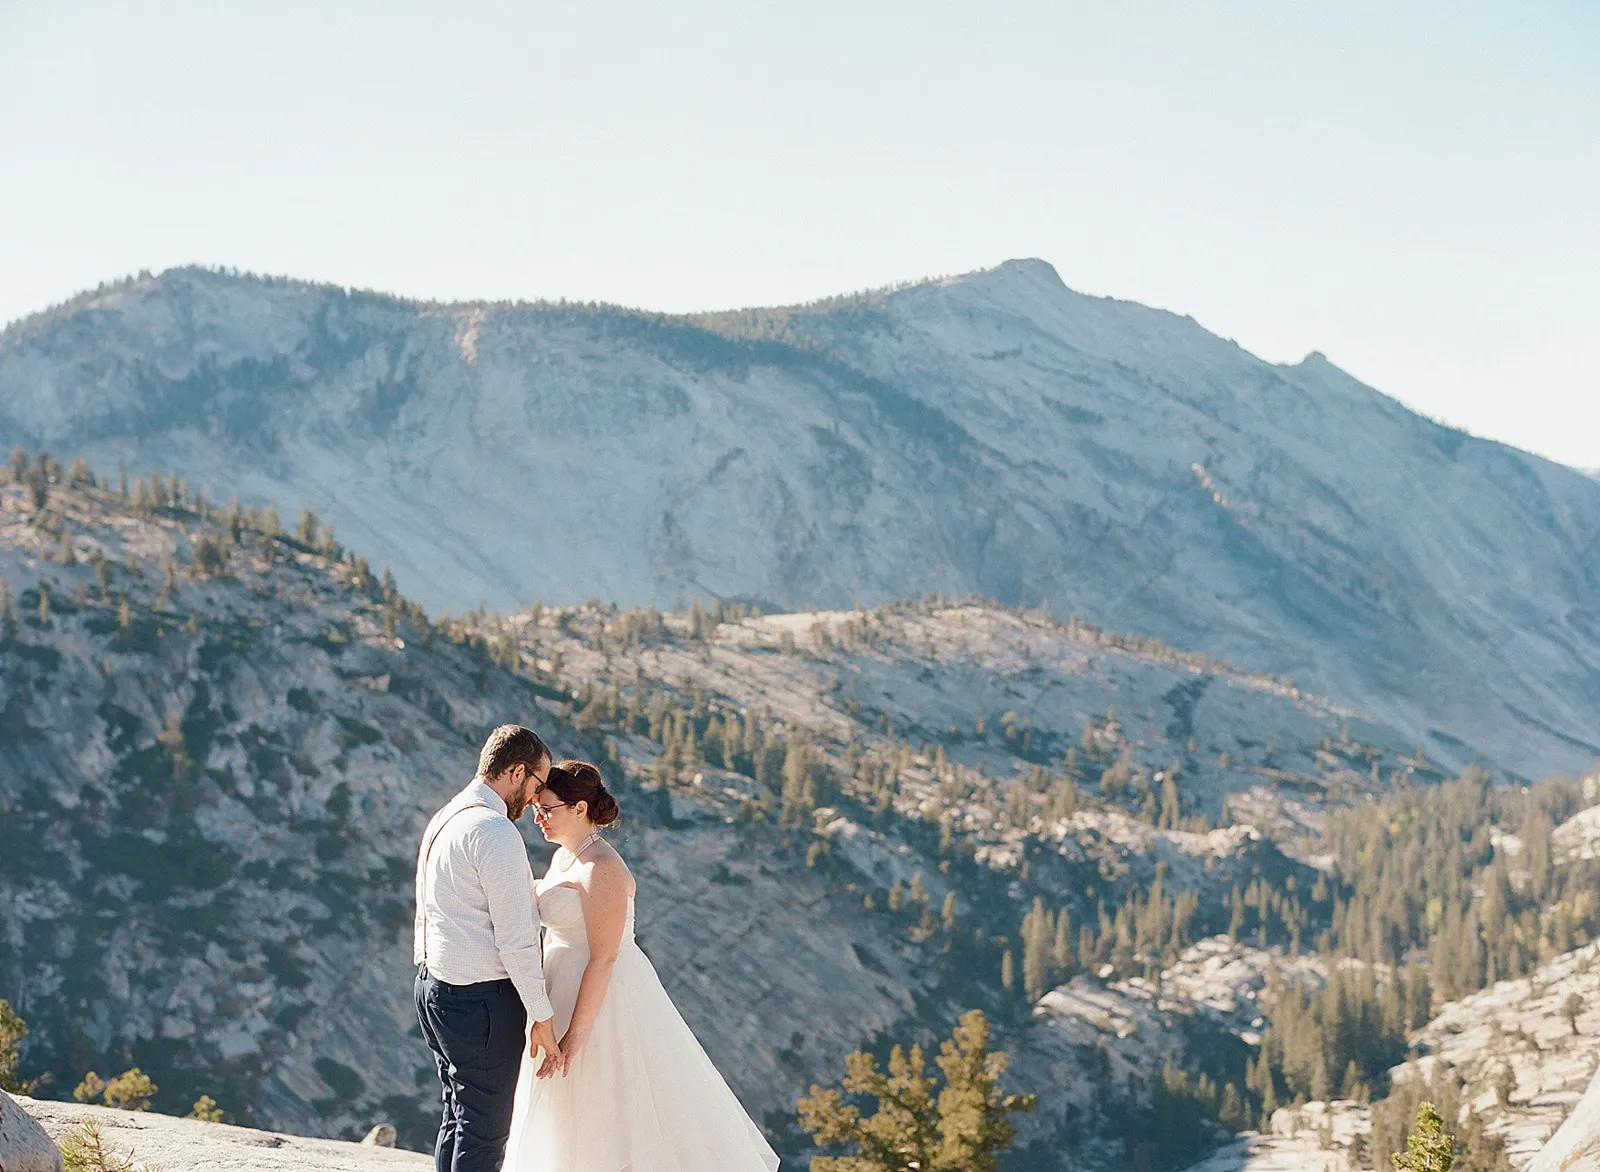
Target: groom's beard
{"points": [[518, 803]]}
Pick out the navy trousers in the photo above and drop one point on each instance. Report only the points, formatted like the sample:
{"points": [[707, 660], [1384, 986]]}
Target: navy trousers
{"points": [[476, 1033]]}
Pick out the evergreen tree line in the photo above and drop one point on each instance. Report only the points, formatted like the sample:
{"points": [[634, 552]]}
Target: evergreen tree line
{"points": [[1414, 1116], [1423, 908], [1420, 874], [1144, 934], [1338, 1041]]}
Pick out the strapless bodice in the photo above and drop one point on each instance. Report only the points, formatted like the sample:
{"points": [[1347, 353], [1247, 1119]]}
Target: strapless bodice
{"points": [[561, 913]]}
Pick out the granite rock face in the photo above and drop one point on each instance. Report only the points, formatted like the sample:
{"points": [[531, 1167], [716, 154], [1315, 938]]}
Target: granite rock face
{"points": [[214, 782], [24, 1145], [210, 804], [209, 810], [995, 433], [1575, 1147], [208, 824], [187, 1145], [1550, 1116]]}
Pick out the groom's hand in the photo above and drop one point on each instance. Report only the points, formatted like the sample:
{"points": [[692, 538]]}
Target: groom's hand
{"points": [[543, 1037]]}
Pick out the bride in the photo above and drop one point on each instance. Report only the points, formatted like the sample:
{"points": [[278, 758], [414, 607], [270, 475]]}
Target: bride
{"points": [[636, 1092]]}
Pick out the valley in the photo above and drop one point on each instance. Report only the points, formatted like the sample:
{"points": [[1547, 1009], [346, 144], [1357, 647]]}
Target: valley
{"points": [[848, 826]]}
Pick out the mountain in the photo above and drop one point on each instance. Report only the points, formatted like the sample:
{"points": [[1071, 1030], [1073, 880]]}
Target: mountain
{"points": [[1184, 892], [996, 434], [209, 785], [215, 776], [222, 744]]}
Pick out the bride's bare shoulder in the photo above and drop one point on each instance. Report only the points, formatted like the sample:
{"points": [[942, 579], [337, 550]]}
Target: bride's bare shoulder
{"points": [[609, 867]]}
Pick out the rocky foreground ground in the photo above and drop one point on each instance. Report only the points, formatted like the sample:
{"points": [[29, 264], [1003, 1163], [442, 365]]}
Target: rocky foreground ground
{"points": [[186, 1145], [160, 1143]]}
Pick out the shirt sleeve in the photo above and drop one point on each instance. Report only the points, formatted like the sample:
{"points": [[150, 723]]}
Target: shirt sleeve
{"points": [[416, 921], [507, 881]]}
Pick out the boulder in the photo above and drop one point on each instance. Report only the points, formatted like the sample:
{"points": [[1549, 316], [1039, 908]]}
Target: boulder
{"points": [[1575, 1147], [24, 1146], [382, 1135]]}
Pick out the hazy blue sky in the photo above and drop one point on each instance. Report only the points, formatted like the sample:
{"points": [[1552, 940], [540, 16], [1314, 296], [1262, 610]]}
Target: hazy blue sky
{"points": [[1412, 188]]}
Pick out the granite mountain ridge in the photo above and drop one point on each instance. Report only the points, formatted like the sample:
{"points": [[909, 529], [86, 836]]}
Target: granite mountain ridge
{"points": [[995, 433]]}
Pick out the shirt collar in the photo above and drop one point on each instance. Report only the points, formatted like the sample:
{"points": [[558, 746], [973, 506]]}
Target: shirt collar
{"points": [[478, 790]]}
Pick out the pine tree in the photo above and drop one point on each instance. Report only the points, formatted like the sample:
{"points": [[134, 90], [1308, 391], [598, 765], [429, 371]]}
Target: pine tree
{"points": [[973, 1125], [13, 1032], [796, 796], [1233, 1113], [38, 482], [1061, 947], [1429, 1148], [305, 532], [1570, 1009], [131, 1090], [86, 1150], [1038, 939], [1171, 806], [961, 1127], [210, 558]]}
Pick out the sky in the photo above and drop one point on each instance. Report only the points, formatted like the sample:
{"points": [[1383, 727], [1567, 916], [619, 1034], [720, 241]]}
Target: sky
{"points": [[1412, 189]]}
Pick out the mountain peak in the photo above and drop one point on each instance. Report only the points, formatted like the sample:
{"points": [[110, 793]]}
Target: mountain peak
{"points": [[983, 433], [1029, 271], [1032, 269]]}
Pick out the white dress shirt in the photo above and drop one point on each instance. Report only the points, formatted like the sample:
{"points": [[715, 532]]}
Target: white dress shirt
{"points": [[476, 917]]}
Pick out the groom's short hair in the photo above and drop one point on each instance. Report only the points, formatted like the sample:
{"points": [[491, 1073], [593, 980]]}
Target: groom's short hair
{"points": [[509, 745]]}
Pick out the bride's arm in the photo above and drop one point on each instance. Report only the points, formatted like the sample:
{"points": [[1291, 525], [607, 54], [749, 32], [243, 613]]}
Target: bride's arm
{"points": [[605, 914]]}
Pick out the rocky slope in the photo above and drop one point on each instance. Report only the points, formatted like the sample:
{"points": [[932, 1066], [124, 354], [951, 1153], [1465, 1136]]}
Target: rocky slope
{"points": [[1522, 1066], [221, 746], [1521, 1056], [997, 690], [209, 803], [208, 791], [995, 433]]}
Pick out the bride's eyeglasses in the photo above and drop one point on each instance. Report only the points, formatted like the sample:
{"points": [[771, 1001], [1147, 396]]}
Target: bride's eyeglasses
{"points": [[540, 810]]}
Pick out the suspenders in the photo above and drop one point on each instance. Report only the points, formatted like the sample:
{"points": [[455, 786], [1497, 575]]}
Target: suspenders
{"points": [[422, 874]]}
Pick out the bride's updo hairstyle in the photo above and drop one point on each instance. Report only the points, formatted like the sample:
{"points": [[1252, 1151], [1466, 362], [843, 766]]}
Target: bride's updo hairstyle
{"points": [[576, 781]]}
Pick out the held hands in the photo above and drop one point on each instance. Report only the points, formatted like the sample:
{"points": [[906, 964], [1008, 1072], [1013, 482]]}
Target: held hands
{"points": [[542, 1036], [571, 1042]]}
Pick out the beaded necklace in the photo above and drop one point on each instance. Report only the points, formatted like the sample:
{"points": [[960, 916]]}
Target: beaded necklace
{"points": [[572, 855]]}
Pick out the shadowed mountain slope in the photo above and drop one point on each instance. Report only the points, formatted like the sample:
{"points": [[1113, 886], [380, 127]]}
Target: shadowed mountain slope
{"points": [[995, 433]]}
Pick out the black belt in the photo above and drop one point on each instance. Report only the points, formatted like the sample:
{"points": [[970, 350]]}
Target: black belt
{"points": [[503, 985]]}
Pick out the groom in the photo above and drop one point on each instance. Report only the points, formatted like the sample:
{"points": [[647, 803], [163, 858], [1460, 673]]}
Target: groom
{"points": [[476, 947]]}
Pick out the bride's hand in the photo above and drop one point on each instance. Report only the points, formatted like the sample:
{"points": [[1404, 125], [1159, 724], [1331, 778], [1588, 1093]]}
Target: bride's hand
{"points": [[571, 1042]]}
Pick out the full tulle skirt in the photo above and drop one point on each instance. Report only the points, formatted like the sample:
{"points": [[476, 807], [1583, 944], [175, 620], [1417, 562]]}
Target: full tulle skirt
{"points": [[641, 1096]]}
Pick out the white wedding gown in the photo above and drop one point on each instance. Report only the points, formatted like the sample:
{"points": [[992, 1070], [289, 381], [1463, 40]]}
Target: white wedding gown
{"points": [[641, 1096]]}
